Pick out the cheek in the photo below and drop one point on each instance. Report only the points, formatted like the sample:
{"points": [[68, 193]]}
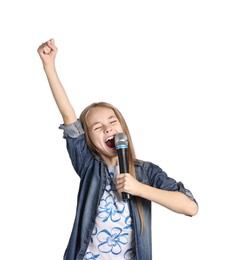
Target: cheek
{"points": [[119, 129], [95, 139]]}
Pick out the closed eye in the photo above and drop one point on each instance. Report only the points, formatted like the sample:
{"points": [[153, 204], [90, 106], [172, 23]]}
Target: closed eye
{"points": [[97, 128]]}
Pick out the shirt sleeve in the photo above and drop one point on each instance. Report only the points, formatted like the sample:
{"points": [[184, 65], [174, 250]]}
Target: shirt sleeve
{"points": [[72, 130], [77, 148], [186, 191], [159, 179]]}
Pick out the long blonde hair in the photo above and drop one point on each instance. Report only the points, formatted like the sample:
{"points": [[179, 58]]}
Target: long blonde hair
{"points": [[131, 151]]}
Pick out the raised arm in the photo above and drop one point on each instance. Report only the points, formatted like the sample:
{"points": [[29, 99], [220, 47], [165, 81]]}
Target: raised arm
{"points": [[47, 52]]}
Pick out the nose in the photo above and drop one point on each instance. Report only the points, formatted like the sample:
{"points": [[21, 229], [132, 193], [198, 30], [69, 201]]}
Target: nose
{"points": [[108, 129]]}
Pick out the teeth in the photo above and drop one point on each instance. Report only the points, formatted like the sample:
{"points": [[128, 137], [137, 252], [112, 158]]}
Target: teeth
{"points": [[110, 138]]}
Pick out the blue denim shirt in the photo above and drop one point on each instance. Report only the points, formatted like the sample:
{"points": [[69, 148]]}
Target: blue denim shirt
{"points": [[92, 171]]}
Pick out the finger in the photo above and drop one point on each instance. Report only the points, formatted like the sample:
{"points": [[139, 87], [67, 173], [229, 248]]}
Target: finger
{"points": [[51, 44], [46, 49]]}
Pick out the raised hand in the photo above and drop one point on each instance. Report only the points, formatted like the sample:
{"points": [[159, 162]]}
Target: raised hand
{"points": [[47, 52]]}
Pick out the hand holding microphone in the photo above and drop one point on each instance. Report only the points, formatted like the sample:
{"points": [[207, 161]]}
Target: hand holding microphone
{"points": [[121, 144]]}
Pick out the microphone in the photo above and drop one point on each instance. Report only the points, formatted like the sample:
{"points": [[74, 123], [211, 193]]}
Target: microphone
{"points": [[121, 144]]}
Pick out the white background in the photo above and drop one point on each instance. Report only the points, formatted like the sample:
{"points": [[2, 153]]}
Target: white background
{"points": [[169, 68]]}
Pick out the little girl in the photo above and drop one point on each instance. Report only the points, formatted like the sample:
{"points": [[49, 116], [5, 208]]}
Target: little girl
{"points": [[105, 225]]}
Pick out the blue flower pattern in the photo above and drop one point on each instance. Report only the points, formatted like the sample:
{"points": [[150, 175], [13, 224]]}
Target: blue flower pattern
{"points": [[108, 209], [112, 236], [90, 256], [111, 242]]}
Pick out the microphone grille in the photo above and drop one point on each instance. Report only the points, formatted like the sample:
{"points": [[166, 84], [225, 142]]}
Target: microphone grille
{"points": [[120, 139]]}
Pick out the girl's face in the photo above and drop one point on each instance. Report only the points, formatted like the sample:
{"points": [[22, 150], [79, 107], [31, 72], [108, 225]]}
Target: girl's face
{"points": [[103, 125]]}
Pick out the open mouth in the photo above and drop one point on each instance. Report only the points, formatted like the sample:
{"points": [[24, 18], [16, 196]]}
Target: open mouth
{"points": [[110, 142]]}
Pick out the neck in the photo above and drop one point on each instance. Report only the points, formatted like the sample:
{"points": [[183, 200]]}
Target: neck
{"points": [[110, 160]]}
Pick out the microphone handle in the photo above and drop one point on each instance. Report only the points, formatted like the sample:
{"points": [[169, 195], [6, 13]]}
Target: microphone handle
{"points": [[123, 168]]}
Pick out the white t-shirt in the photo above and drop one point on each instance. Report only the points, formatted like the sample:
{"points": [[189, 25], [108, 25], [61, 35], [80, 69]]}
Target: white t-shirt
{"points": [[112, 236]]}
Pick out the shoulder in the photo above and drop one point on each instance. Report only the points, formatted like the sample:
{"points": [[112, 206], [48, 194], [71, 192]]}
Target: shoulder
{"points": [[145, 171], [146, 165]]}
